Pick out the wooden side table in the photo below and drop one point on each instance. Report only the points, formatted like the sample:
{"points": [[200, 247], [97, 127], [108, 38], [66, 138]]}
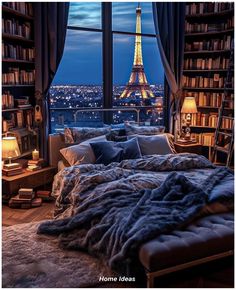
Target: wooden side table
{"points": [[30, 179], [188, 148]]}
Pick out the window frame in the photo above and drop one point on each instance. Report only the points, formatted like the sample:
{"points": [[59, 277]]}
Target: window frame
{"points": [[107, 57]]}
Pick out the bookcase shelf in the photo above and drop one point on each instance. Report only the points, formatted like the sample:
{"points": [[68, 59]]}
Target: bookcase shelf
{"points": [[18, 75], [13, 12], [213, 15], [209, 33], [208, 39], [15, 109], [207, 52], [207, 89], [18, 86], [17, 37], [12, 60], [205, 70]]}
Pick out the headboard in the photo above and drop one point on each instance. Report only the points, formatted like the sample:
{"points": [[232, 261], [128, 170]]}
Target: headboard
{"points": [[55, 143]]}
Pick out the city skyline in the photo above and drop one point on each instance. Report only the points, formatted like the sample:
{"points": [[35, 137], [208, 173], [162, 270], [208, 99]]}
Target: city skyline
{"points": [[81, 63]]}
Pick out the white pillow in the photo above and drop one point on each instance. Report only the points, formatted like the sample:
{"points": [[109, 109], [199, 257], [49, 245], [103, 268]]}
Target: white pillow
{"points": [[82, 151], [155, 144]]}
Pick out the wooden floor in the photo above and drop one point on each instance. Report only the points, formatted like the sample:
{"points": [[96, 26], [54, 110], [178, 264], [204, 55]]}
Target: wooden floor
{"points": [[12, 216]]}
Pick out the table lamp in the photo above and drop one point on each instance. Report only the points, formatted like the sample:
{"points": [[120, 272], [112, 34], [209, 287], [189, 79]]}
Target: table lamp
{"points": [[189, 107], [10, 148]]}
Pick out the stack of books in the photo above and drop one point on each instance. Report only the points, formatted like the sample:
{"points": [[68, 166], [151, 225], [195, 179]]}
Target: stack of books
{"points": [[25, 199], [11, 169], [35, 164], [44, 194]]}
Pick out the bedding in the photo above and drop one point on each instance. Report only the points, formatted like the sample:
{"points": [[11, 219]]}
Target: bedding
{"points": [[97, 202]]}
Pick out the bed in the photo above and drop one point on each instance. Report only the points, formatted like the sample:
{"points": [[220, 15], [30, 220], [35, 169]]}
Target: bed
{"points": [[110, 211]]}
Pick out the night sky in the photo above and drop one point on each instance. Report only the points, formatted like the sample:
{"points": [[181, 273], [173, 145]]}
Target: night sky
{"points": [[82, 59]]}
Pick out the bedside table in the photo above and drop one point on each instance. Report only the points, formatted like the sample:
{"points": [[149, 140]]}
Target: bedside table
{"points": [[30, 179], [188, 148]]}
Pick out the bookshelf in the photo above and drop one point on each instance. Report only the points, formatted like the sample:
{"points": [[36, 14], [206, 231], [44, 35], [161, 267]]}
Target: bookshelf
{"points": [[209, 34], [18, 74]]}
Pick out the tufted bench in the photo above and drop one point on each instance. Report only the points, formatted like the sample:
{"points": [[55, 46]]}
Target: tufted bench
{"points": [[207, 239]]}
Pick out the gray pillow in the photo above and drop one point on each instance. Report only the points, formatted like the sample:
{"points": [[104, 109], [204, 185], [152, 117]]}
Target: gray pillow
{"points": [[143, 130], [156, 144], [78, 135], [82, 152]]}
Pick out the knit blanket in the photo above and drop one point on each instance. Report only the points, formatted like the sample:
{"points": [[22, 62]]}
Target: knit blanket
{"points": [[115, 223]]}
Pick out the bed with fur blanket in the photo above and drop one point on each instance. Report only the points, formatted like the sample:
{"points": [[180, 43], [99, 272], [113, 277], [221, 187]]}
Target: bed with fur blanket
{"points": [[110, 211]]}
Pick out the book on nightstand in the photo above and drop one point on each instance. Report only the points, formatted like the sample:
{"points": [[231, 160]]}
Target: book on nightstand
{"points": [[13, 171]]}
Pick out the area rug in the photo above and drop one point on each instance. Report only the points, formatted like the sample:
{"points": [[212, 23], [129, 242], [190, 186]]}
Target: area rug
{"points": [[31, 260]]}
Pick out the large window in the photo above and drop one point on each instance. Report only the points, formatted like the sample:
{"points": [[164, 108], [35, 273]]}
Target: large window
{"points": [[82, 81]]}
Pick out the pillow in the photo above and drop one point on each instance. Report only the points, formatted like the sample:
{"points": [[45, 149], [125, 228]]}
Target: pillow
{"points": [[143, 130], [78, 135], [116, 135], [156, 144], [107, 152], [80, 151]]}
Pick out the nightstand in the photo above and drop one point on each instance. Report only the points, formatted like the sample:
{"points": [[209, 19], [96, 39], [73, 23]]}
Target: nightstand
{"points": [[30, 179], [188, 148]]}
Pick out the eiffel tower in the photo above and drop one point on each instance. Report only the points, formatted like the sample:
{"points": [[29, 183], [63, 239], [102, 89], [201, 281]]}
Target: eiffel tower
{"points": [[138, 80]]}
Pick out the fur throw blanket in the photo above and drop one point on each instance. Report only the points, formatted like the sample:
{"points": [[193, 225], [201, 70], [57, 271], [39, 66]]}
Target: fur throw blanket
{"points": [[113, 225]]}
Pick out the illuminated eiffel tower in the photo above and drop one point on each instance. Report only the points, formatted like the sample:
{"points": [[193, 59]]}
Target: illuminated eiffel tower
{"points": [[138, 80]]}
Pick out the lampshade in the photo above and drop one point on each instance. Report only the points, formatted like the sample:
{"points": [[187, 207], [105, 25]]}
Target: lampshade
{"points": [[10, 147], [189, 106]]}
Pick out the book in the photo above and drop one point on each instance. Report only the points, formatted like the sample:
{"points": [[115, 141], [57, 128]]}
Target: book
{"points": [[36, 202], [36, 162], [33, 167], [26, 193], [18, 199], [12, 172], [11, 166], [26, 190], [44, 194]]}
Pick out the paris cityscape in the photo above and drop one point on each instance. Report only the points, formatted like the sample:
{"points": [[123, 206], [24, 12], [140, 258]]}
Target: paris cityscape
{"points": [[66, 100]]}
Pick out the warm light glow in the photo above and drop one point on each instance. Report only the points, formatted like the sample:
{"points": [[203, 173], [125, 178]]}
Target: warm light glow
{"points": [[10, 147], [189, 106]]}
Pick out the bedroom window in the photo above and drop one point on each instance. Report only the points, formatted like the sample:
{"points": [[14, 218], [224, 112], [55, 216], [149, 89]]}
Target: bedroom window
{"points": [[97, 63]]}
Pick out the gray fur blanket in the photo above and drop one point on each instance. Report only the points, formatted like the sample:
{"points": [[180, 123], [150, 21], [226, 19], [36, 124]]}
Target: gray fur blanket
{"points": [[115, 223]]}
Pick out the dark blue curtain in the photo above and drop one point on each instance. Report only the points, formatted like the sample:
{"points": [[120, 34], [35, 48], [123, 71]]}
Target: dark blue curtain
{"points": [[169, 20], [50, 32]]}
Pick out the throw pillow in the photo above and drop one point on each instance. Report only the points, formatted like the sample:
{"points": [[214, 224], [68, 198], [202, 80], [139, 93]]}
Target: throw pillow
{"points": [[156, 144], [143, 130], [82, 151], [107, 152], [78, 135]]}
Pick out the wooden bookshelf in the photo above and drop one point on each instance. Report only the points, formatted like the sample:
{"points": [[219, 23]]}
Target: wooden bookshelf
{"points": [[209, 34], [18, 74]]}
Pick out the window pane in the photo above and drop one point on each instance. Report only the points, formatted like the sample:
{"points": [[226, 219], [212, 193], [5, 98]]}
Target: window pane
{"points": [[124, 17], [85, 14], [144, 89], [78, 81]]}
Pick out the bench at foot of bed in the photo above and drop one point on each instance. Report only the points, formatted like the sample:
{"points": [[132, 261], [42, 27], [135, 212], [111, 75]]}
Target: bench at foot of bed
{"points": [[207, 239]]}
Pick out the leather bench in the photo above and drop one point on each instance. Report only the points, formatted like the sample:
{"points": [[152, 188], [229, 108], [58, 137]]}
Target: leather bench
{"points": [[207, 239]]}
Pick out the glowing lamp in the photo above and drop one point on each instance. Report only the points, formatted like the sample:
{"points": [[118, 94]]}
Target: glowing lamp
{"points": [[10, 148], [189, 107]]}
